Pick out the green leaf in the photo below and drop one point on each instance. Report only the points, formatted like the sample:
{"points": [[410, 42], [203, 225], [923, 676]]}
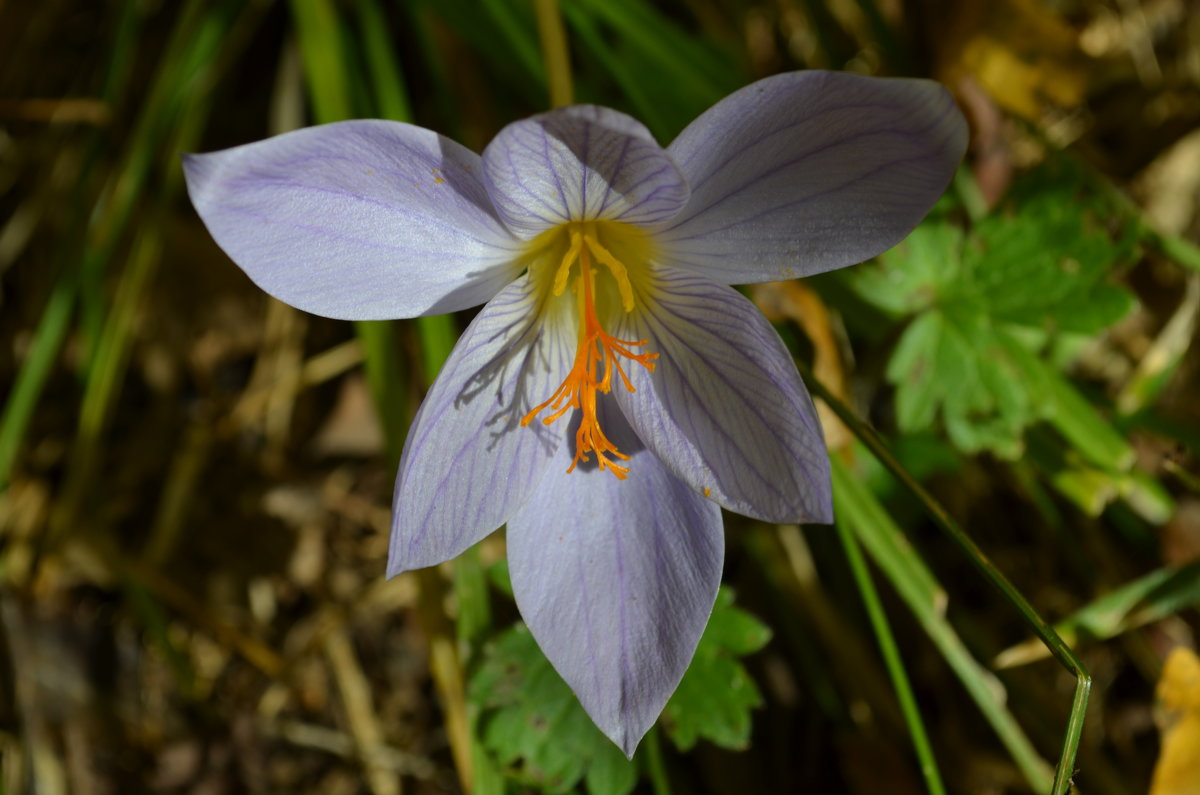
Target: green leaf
{"points": [[610, 772], [912, 275], [1042, 263], [532, 723], [990, 305], [1148, 598], [913, 368], [716, 695], [470, 589]]}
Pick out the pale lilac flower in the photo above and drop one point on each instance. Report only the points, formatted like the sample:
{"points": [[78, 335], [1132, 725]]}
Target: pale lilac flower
{"points": [[614, 393]]}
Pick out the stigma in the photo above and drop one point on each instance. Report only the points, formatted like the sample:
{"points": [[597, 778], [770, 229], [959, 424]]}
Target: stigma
{"points": [[598, 355]]}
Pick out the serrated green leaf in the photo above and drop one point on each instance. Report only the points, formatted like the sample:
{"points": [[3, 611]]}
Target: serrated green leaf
{"points": [[912, 275], [1042, 262], [912, 369], [532, 723], [717, 694], [732, 630], [991, 411], [1095, 310], [988, 304]]}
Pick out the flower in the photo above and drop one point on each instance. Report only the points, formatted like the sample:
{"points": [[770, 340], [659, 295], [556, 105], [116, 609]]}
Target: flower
{"points": [[614, 393]]}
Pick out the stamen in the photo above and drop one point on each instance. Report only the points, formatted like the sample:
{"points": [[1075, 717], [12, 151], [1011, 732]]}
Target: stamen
{"points": [[578, 390], [564, 267], [618, 270]]}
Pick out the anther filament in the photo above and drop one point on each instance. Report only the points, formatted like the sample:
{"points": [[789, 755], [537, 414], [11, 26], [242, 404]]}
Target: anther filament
{"points": [[597, 356]]}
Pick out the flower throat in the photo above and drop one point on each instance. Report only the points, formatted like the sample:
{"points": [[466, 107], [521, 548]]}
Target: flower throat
{"points": [[598, 354]]}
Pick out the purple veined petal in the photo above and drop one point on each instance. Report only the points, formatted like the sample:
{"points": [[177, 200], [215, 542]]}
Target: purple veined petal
{"points": [[805, 172], [616, 580], [468, 464], [725, 409], [361, 220], [582, 162]]}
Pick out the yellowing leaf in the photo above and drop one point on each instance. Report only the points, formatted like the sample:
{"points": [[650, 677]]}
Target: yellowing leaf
{"points": [[1178, 769], [1024, 55]]}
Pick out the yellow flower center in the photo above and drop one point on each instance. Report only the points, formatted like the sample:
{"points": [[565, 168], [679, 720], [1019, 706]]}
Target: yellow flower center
{"points": [[554, 255]]}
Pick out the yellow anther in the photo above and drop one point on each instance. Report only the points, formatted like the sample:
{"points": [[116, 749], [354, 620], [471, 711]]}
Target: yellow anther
{"points": [[616, 267], [597, 353], [564, 267]]}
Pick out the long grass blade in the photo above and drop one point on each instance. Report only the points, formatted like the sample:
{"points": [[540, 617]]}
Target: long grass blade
{"points": [[892, 659], [1063, 653], [900, 563]]}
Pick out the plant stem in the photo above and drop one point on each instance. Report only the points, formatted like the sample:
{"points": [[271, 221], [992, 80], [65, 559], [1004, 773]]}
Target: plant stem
{"points": [[891, 658], [553, 36], [1060, 650], [654, 763]]}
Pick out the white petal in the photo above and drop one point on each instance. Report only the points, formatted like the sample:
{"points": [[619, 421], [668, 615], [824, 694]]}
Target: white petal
{"points": [[468, 464], [580, 163], [616, 580], [362, 220], [804, 172], [725, 409]]}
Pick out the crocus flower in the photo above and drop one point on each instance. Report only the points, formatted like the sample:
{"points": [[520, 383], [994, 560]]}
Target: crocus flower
{"points": [[614, 393]]}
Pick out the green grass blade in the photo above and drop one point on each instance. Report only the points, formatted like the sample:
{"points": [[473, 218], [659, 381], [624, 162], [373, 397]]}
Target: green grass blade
{"points": [[169, 94], [385, 379], [518, 36], [554, 49], [631, 81], [666, 74], [1078, 421], [657, 769], [56, 318], [1062, 652], [1183, 251], [1149, 598], [190, 73], [698, 72], [438, 334], [391, 98], [319, 32], [856, 506], [1162, 361], [892, 659], [27, 390]]}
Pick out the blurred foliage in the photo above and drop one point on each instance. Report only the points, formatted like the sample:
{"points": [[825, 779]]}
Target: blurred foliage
{"points": [[195, 486]]}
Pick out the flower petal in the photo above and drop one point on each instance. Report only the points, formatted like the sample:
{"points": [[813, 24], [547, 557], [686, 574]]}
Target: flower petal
{"points": [[360, 220], [580, 163], [616, 580], [725, 408], [805, 172], [468, 464]]}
